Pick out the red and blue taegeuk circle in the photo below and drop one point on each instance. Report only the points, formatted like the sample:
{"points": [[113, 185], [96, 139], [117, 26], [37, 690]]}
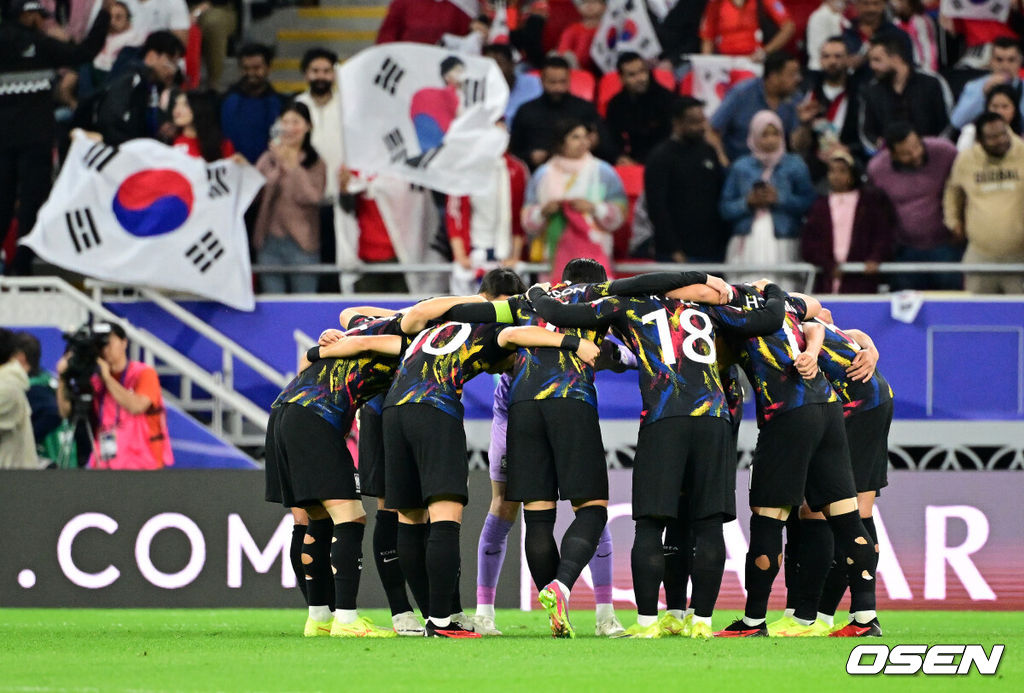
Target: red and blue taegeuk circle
{"points": [[153, 202]]}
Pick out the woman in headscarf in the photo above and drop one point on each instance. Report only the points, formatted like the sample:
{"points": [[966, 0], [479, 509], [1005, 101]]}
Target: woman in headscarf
{"points": [[574, 202], [766, 195]]}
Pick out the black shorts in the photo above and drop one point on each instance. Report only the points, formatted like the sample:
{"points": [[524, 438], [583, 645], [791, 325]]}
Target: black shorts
{"points": [[867, 434], [689, 456], [307, 459], [802, 454], [371, 453], [555, 451], [424, 457]]}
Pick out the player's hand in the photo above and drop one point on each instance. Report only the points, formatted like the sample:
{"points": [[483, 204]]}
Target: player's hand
{"points": [[863, 366], [543, 286], [825, 315], [721, 286], [806, 365], [761, 283], [330, 336], [588, 351]]}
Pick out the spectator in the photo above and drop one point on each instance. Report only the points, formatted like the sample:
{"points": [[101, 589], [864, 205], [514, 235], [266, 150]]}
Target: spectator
{"points": [[217, 20], [122, 34], [824, 23], [870, 23], [679, 32], [984, 204], [682, 184], [638, 116], [531, 136], [578, 36], [199, 135], [161, 15], [1004, 67], [26, 113], [735, 27], [42, 398], [852, 223], [766, 195], [251, 105], [1001, 99], [485, 229], [131, 431], [288, 224], [774, 91], [422, 21], [574, 202], [374, 200], [17, 444], [913, 172], [135, 104], [521, 87], [911, 18], [900, 92]]}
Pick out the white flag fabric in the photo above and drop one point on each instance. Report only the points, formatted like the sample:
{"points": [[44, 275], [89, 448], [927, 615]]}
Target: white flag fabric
{"points": [[998, 10], [499, 31], [424, 114], [470, 7], [661, 8], [711, 76], [149, 215], [625, 26]]}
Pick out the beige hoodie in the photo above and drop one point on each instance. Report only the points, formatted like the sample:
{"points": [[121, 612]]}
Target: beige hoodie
{"points": [[988, 195], [17, 444]]}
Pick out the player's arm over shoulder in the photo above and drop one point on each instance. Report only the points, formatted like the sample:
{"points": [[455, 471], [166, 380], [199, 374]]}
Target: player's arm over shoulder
{"points": [[415, 319]]}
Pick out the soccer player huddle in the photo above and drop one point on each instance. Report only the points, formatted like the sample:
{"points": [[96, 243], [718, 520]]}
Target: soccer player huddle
{"points": [[823, 414]]}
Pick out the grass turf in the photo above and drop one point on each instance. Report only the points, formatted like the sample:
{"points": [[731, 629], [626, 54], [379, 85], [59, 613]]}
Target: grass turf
{"points": [[262, 650]]}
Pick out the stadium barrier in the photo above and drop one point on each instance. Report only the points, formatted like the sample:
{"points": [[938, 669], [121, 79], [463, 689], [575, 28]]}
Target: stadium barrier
{"points": [[948, 540]]}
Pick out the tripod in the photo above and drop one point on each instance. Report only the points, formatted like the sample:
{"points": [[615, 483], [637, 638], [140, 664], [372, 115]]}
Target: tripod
{"points": [[81, 416]]}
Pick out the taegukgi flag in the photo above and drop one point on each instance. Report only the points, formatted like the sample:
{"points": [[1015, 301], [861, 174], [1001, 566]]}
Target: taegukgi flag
{"points": [[423, 113], [624, 27], [712, 76], [147, 214], [998, 10]]}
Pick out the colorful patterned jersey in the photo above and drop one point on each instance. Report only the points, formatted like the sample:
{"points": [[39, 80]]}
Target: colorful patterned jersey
{"points": [[371, 326], [837, 353], [769, 362], [441, 359], [546, 372]]}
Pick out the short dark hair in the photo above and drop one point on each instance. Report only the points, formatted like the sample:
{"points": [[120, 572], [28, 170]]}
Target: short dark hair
{"points": [[502, 281], [163, 43], [27, 344], [584, 270], [6, 345], [317, 53], [626, 57], [986, 118], [837, 38], [260, 49], [1007, 42], [555, 61], [562, 128], [776, 61], [450, 63], [684, 103], [896, 132], [894, 46], [502, 49]]}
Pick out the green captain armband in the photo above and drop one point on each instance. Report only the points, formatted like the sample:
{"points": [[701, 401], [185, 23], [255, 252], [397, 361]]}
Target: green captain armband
{"points": [[503, 312]]}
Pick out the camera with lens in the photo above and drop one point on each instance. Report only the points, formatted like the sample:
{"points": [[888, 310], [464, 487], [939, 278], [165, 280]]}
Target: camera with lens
{"points": [[84, 346]]}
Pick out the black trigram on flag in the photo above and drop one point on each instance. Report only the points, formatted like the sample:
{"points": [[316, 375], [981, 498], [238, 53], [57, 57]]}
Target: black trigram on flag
{"points": [[205, 252], [389, 75], [82, 229], [396, 145], [473, 91], [216, 176], [99, 155]]}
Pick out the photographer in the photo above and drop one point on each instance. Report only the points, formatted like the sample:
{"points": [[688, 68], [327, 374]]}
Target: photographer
{"points": [[131, 426]]}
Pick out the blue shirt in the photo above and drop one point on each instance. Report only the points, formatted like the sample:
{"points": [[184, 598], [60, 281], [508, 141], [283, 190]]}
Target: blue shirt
{"points": [[526, 88], [791, 181], [971, 103], [732, 119], [246, 121]]}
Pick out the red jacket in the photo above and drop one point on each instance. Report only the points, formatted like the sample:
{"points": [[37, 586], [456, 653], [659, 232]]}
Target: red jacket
{"points": [[422, 21]]}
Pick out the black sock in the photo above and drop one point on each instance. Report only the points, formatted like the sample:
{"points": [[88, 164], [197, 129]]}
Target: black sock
{"points": [[385, 556], [762, 563], [678, 552], [816, 553], [708, 564], [316, 562], [457, 594], [541, 549], [862, 559], [580, 542], [412, 557], [295, 556], [791, 560], [869, 525], [648, 563], [347, 561], [835, 582], [442, 566]]}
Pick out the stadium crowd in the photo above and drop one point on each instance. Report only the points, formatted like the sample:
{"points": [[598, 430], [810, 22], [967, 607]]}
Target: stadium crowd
{"points": [[866, 138]]}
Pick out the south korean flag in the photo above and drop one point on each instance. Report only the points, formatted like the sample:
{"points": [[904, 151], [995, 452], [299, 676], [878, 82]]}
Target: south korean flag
{"points": [[424, 114], [148, 215], [624, 27], [996, 10]]}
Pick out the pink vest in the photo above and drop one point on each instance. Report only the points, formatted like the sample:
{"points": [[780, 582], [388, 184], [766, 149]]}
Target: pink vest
{"points": [[133, 450]]}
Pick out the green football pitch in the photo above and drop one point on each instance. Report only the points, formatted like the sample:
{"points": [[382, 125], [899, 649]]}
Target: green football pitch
{"points": [[263, 650]]}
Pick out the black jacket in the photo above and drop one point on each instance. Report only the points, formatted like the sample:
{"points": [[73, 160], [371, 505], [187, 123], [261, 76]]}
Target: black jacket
{"points": [[125, 109], [637, 123], [923, 103], [27, 63], [532, 126]]}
